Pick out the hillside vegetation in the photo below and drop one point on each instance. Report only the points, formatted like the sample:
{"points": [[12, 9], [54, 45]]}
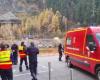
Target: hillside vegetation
{"points": [[49, 18]]}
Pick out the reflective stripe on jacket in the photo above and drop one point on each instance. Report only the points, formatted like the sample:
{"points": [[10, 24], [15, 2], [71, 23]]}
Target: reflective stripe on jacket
{"points": [[5, 59], [22, 53]]}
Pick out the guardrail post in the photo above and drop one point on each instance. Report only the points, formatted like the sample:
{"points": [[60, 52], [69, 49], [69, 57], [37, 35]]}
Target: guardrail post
{"points": [[49, 69], [71, 74]]}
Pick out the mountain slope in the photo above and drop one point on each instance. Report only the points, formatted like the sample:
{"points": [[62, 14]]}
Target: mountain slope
{"points": [[29, 6]]}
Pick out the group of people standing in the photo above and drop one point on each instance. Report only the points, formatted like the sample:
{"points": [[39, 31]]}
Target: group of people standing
{"points": [[9, 57]]}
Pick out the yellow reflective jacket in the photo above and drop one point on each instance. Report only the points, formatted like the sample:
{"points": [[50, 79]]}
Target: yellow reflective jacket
{"points": [[5, 56], [20, 48]]}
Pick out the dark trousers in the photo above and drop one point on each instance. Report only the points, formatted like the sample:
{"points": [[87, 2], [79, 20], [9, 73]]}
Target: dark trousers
{"points": [[15, 58], [60, 56], [33, 70], [21, 62], [6, 74]]}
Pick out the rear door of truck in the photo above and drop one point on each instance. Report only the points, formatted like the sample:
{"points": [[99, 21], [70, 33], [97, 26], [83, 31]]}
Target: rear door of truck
{"points": [[75, 46]]}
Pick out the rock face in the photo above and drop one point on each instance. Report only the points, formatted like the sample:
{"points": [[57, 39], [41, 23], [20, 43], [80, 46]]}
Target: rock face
{"points": [[29, 6], [5, 5]]}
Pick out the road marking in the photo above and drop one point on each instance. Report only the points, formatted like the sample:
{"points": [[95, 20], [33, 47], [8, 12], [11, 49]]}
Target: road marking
{"points": [[14, 70], [29, 73], [45, 67], [41, 71], [21, 75]]}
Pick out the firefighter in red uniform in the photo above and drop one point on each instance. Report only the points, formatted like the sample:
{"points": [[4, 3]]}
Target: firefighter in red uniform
{"points": [[23, 56], [5, 63]]}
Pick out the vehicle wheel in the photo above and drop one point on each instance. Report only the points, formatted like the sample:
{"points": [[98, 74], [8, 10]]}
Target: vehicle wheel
{"points": [[69, 64], [98, 73]]}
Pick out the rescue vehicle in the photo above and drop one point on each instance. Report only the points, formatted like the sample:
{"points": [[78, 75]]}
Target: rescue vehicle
{"points": [[82, 49]]}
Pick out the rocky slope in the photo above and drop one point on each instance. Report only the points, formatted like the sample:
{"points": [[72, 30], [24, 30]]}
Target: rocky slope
{"points": [[29, 6]]}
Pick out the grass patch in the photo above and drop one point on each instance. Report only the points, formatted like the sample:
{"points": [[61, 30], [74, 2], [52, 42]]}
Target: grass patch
{"points": [[48, 50]]}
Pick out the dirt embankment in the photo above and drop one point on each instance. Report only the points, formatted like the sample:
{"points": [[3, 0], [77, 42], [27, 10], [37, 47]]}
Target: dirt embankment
{"points": [[48, 51]]}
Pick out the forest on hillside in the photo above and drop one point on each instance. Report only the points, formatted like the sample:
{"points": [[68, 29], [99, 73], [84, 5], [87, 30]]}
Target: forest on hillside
{"points": [[49, 18], [86, 12]]}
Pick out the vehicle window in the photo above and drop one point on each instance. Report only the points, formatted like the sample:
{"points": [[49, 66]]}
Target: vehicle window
{"points": [[90, 39], [98, 37], [68, 41], [91, 43]]}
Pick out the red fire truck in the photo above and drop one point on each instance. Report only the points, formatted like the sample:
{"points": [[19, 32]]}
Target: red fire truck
{"points": [[82, 49]]}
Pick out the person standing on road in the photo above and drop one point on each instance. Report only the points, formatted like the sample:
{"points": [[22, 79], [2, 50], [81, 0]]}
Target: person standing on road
{"points": [[14, 49], [23, 56], [5, 63], [32, 52], [60, 50]]}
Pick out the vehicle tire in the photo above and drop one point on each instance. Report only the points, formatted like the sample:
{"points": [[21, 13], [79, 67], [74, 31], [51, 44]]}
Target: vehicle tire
{"points": [[98, 73], [69, 64]]}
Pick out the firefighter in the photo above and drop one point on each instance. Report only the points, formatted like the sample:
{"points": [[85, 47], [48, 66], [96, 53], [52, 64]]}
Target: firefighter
{"points": [[60, 51], [23, 56], [32, 52], [5, 63], [14, 49]]}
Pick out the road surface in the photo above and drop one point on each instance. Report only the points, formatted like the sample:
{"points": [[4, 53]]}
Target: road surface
{"points": [[59, 71]]}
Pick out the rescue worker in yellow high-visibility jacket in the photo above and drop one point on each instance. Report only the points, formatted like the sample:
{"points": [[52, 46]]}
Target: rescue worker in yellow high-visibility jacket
{"points": [[5, 63], [23, 56]]}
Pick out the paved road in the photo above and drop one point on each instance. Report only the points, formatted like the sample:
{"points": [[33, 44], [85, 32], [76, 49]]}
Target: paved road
{"points": [[59, 71]]}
